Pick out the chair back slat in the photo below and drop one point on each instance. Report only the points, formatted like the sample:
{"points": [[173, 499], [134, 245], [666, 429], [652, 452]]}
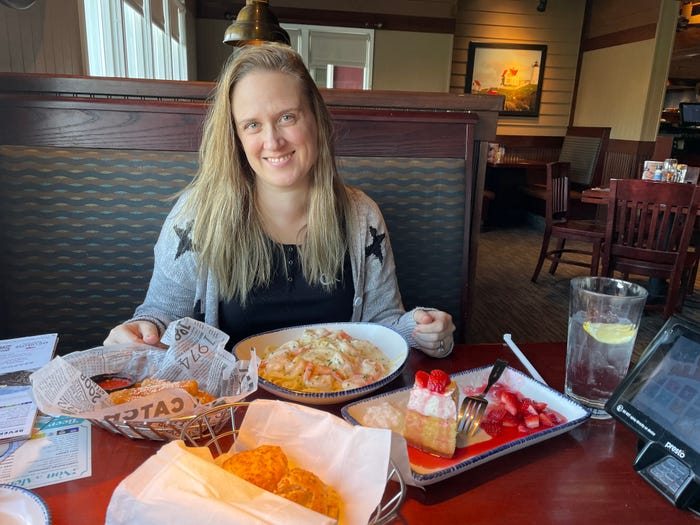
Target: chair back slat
{"points": [[648, 229], [560, 195], [651, 225], [557, 198]]}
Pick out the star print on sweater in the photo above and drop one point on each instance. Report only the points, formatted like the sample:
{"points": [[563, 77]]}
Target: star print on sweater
{"points": [[185, 243], [376, 247]]}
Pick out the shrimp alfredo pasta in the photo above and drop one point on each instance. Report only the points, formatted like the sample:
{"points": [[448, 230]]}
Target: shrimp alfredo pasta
{"points": [[322, 360]]}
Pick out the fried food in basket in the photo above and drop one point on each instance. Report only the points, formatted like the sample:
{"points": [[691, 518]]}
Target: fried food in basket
{"points": [[150, 386], [263, 466], [266, 467], [307, 489]]}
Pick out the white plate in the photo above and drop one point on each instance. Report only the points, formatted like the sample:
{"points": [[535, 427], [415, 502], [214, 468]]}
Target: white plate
{"points": [[428, 469], [387, 340], [20, 506]]}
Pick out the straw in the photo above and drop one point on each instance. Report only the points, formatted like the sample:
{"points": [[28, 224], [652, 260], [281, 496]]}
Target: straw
{"points": [[519, 354]]}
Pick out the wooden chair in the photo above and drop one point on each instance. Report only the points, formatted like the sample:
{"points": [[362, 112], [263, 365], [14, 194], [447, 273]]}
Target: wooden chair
{"points": [[648, 231], [557, 224]]}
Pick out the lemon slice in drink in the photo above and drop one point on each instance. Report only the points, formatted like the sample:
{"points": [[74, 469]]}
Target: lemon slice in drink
{"points": [[610, 333]]}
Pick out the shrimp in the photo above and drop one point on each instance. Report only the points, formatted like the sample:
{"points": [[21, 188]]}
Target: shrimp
{"points": [[323, 360]]}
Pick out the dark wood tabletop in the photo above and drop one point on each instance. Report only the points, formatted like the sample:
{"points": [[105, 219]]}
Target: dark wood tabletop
{"points": [[584, 476], [595, 196]]}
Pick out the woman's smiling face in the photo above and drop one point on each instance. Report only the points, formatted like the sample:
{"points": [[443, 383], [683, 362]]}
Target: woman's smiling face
{"points": [[276, 128]]}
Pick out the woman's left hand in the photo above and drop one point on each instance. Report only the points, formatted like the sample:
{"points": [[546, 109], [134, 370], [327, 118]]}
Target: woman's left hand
{"points": [[434, 332]]}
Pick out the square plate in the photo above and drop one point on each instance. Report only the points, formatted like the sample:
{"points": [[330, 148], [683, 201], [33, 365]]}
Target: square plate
{"points": [[428, 469]]}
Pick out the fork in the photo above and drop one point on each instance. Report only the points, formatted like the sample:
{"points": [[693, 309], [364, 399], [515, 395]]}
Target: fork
{"points": [[473, 408]]}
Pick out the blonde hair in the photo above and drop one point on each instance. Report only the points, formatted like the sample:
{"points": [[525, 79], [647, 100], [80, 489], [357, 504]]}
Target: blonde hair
{"points": [[227, 231]]}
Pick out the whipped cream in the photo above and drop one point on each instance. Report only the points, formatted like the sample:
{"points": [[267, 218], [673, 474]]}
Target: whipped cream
{"points": [[430, 403]]}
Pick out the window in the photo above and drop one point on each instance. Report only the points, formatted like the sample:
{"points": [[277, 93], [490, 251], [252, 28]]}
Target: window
{"points": [[135, 38], [337, 57]]}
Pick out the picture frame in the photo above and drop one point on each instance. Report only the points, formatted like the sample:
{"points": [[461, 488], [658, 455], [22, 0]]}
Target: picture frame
{"points": [[513, 70]]}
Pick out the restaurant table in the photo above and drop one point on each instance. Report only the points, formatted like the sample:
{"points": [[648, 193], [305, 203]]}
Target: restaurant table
{"points": [[595, 196], [600, 195], [583, 476]]}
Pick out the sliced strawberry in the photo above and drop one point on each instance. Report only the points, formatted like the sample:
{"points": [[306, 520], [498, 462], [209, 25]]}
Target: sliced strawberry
{"points": [[497, 413], [491, 427], [522, 428], [539, 405], [545, 421], [529, 406], [422, 378], [510, 421], [553, 417], [532, 420], [510, 402], [438, 381]]}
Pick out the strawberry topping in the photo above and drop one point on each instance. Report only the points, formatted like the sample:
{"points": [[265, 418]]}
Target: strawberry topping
{"points": [[422, 378], [438, 381]]}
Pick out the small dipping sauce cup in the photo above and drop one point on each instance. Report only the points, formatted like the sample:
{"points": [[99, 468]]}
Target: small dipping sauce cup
{"points": [[113, 382]]}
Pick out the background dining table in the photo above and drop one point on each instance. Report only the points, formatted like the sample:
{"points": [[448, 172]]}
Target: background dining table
{"points": [[597, 196], [583, 476]]}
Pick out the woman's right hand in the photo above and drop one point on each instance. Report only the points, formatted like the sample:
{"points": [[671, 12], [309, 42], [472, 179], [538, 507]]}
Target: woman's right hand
{"points": [[133, 332]]}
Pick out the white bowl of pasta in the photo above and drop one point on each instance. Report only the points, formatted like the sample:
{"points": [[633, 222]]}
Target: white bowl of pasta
{"points": [[323, 364]]}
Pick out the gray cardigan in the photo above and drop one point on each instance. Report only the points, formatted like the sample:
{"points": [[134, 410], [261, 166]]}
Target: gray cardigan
{"points": [[178, 289]]}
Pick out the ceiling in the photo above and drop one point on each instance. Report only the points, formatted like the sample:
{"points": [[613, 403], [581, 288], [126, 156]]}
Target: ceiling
{"points": [[685, 60]]}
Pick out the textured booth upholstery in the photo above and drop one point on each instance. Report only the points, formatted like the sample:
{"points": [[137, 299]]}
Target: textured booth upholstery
{"points": [[78, 227], [423, 202], [77, 236]]}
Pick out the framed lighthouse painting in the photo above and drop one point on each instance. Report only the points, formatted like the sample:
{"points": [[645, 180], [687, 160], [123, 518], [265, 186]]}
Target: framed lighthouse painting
{"points": [[513, 70]]}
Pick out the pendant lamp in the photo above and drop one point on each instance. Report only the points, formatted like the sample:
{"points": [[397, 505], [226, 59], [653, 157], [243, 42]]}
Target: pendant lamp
{"points": [[255, 24]]}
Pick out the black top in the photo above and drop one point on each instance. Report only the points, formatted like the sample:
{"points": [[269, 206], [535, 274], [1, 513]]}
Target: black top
{"points": [[287, 301]]}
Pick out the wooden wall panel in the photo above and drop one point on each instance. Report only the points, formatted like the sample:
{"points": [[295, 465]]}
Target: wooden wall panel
{"points": [[218, 9], [42, 39], [518, 22], [611, 16]]}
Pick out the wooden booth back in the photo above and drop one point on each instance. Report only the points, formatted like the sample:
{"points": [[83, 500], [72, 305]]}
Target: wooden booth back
{"points": [[87, 182]]}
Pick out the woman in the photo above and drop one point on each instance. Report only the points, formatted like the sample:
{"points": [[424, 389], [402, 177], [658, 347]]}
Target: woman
{"points": [[267, 235]]}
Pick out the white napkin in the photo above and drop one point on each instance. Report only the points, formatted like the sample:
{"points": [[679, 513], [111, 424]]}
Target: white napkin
{"points": [[183, 484]]}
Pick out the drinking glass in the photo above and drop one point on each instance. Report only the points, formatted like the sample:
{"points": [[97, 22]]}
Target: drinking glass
{"points": [[604, 316], [670, 166]]}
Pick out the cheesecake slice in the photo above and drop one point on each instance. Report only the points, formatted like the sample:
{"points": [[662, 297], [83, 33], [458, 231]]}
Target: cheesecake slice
{"points": [[431, 414]]}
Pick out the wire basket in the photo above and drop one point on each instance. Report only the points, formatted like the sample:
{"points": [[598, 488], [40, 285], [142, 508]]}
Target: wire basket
{"points": [[206, 430], [166, 429]]}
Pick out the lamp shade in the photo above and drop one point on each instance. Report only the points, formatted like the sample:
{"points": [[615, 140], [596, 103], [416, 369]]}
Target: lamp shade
{"points": [[255, 23]]}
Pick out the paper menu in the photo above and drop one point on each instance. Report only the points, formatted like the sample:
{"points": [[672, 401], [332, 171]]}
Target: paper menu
{"points": [[58, 451], [18, 358]]}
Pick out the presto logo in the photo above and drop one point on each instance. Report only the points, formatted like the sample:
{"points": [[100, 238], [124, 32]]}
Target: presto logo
{"points": [[673, 448]]}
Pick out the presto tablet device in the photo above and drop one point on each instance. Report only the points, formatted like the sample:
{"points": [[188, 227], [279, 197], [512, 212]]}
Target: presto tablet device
{"points": [[659, 400]]}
